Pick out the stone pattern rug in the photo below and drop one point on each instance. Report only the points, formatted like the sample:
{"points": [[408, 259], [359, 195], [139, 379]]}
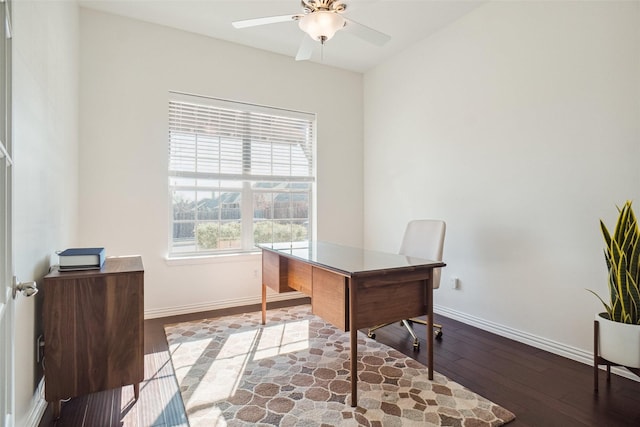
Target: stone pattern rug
{"points": [[294, 371]]}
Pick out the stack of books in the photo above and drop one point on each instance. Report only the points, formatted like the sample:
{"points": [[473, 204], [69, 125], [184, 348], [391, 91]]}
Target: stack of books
{"points": [[74, 259]]}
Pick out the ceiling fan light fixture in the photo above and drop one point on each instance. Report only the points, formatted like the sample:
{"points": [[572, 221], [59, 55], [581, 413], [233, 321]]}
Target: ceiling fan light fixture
{"points": [[321, 25]]}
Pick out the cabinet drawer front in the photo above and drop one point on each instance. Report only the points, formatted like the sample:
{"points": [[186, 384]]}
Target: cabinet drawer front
{"points": [[125, 330], [59, 321]]}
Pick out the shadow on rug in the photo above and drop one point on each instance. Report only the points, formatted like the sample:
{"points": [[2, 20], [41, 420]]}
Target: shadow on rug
{"points": [[294, 371]]}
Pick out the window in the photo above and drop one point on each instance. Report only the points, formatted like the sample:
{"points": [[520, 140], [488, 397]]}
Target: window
{"points": [[239, 174]]}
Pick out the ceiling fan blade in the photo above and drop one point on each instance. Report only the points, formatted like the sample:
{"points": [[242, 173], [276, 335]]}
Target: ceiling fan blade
{"points": [[306, 48], [366, 33], [263, 21]]}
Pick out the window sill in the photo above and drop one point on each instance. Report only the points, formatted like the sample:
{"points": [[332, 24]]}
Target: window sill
{"points": [[213, 259]]}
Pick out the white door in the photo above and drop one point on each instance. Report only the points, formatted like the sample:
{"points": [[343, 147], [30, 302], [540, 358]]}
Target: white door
{"points": [[6, 262], [6, 299]]}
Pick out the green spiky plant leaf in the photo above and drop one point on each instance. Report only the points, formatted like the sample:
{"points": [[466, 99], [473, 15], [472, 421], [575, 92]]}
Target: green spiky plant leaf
{"points": [[622, 256]]}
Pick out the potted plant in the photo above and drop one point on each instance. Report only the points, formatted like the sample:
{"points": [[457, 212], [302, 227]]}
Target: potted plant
{"points": [[618, 337]]}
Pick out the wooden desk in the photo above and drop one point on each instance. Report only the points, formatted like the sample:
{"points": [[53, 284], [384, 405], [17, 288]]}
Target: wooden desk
{"points": [[353, 288], [93, 330]]}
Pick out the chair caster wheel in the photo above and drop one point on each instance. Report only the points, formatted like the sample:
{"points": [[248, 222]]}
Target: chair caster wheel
{"points": [[371, 335], [416, 345], [438, 335]]}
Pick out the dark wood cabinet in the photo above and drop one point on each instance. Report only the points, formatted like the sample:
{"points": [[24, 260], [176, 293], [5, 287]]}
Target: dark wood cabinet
{"points": [[93, 329]]}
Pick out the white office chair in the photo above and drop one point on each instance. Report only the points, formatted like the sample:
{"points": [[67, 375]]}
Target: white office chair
{"points": [[423, 238]]}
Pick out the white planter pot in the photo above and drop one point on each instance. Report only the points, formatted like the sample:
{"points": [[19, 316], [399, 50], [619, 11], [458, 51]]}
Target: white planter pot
{"points": [[619, 343]]}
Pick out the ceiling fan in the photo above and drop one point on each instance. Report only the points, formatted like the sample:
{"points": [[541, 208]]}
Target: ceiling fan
{"points": [[320, 20]]}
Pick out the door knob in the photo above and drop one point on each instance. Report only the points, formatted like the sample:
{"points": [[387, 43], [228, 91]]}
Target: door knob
{"points": [[27, 288]]}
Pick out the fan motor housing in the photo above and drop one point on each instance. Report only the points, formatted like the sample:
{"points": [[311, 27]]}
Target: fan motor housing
{"points": [[311, 6]]}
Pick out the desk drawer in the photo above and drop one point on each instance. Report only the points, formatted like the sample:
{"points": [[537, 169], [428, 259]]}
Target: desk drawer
{"points": [[384, 304], [299, 276], [274, 272], [392, 296], [329, 299], [285, 274]]}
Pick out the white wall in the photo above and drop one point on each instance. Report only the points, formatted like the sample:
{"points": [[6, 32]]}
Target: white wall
{"points": [[45, 135], [518, 124], [127, 68]]}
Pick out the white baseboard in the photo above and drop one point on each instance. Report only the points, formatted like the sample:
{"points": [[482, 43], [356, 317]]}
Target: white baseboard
{"points": [[217, 305], [542, 343], [36, 408]]}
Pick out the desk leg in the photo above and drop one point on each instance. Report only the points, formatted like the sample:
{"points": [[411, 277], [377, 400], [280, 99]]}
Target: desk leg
{"points": [[430, 325], [353, 331], [264, 304]]}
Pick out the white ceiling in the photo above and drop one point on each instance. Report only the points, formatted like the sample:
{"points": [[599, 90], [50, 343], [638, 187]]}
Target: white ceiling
{"points": [[406, 21]]}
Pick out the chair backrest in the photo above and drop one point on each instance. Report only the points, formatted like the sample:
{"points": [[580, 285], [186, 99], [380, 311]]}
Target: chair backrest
{"points": [[424, 238]]}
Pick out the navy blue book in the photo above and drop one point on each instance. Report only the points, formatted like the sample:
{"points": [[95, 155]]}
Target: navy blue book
{"points": [[81, 258]]}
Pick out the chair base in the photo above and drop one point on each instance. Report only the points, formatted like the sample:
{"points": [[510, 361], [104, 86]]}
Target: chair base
{"points": [[437, 330]]}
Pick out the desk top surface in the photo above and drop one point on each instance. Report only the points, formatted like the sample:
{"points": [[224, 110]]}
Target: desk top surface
{"points": [[346, 259]]}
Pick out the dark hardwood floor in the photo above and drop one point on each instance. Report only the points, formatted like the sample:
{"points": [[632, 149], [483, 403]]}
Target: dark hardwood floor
{"points": [[542, 389]]}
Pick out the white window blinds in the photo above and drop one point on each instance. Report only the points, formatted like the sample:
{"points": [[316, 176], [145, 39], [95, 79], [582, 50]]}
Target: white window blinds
{"points": [[217, 139]]}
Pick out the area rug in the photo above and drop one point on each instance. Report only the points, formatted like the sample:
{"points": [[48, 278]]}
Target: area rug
{"points": [[294, 371]]}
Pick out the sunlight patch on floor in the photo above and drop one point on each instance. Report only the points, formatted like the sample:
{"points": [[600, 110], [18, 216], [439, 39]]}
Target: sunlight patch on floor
{"points": [[222, 369], [282, 338]]}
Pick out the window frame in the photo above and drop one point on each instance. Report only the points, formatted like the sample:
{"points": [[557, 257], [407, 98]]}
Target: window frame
{"points": [[245, 186]]}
